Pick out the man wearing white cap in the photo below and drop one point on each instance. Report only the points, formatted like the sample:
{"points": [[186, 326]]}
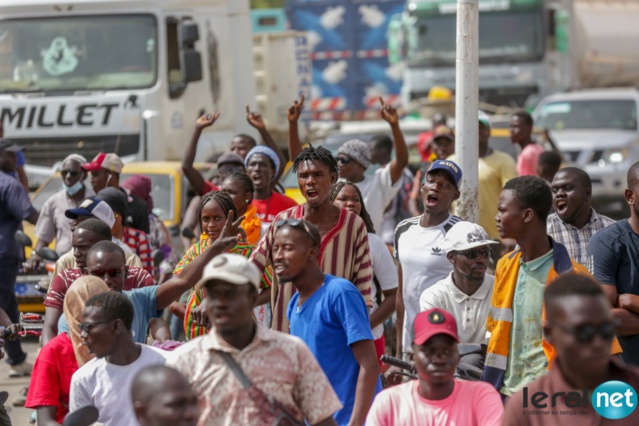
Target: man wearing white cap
{"points": [[238, 353], [467, 290], [52, 223]]}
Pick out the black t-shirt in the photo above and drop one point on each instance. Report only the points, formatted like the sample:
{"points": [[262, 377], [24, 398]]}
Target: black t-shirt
{"points": [[613, 258]]}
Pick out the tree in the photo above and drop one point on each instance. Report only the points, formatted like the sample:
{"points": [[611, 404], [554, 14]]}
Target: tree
{"points": [[266, 4]]}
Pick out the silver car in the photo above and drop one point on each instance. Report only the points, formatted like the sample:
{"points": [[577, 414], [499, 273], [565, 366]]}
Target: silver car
{"points": [[596, 130]]}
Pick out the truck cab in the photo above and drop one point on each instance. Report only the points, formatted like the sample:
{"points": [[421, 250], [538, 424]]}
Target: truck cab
{"points": [[123, 76]]}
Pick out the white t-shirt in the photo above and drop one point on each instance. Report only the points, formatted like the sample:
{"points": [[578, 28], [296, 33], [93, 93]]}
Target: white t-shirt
{"points": [[384, 270], [470, 312], [421, 253], [378, 191], [108, 386]]}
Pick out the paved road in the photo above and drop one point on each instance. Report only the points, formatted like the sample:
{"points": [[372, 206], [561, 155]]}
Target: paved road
{"points": [[19, 415]]}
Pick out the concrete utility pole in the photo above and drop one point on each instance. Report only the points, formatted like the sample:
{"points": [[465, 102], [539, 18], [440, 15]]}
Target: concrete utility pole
{"points": [[466, 106]]}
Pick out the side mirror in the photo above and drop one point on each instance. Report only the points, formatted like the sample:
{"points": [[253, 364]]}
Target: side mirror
{"points": [[84, 416], [23, 239], [158, 257], [189, 33], [48, 254], [192, 65], [4, 395], [188, 233]]}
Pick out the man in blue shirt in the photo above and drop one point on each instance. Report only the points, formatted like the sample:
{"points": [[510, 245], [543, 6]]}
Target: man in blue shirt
{"points": [[613, 257], [14, 208], [330, 315], [106, 260]]}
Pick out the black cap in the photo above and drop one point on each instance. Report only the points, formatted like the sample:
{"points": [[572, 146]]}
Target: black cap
{"points": [[115, 198], [7, 145]]}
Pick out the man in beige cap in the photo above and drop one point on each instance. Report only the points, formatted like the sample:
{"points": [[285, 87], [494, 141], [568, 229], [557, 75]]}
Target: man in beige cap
{"points": [[105, 170], [239, 353]]}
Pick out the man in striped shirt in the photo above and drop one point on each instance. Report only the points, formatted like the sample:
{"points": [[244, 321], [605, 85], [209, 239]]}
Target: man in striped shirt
{"points": [[344, 250]]}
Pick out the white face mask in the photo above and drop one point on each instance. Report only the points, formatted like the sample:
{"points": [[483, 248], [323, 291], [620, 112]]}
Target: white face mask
{"points": [[73, 189]]}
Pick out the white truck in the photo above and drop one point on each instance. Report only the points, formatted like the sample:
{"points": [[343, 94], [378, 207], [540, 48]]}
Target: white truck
{"points": [[132, 76], [528, 49]]}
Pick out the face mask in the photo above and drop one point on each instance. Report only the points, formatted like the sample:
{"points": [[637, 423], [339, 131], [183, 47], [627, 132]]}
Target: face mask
{"points": [[73, 189]]}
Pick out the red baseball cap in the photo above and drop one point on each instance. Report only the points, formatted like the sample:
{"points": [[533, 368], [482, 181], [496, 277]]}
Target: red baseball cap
{"points": [[110, 162], [432, 322]]}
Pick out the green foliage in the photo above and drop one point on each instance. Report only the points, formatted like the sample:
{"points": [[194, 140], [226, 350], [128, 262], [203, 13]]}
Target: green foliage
{"points": [[266, 4]]}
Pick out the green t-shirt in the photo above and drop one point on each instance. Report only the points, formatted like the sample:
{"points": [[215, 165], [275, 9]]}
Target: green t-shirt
{"points": [[526, 358]]}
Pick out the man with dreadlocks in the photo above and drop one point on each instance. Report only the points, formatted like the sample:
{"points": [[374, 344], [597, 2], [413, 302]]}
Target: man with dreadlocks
{"points": [[215, 209], [344, 250]]}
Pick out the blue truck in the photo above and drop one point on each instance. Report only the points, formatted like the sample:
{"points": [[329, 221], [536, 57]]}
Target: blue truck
{"points": [[350, 56]]}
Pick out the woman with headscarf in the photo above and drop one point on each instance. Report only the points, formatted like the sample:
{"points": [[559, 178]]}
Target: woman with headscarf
{"points": [[62, 356]]}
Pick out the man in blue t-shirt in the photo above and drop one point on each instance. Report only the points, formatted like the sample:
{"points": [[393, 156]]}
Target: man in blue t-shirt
{"points": [[330, 315], [106, 260], [613, 258]]}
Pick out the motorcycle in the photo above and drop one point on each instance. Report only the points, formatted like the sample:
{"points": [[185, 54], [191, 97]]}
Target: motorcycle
{"points": [[31, 287]]}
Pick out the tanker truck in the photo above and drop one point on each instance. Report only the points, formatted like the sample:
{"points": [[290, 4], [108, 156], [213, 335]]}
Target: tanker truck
{"points": [[527, 48]]}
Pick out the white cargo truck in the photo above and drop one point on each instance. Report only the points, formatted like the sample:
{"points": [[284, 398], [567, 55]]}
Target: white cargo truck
{"points": [[127, 76]]}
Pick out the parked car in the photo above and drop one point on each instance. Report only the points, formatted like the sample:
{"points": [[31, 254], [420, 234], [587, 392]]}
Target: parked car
{"points": [[596, 130]]}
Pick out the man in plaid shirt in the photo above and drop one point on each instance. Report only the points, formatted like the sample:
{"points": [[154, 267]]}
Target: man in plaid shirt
{"points": [[574, 220]]}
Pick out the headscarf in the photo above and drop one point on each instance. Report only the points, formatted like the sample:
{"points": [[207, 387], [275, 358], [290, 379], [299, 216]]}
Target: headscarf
{"points": [[77, 295], [265, 150], [358, 150], [140, 186]]}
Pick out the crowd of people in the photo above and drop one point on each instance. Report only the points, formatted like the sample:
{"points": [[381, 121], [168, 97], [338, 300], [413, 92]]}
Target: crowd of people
{"points": [[279, 313]]}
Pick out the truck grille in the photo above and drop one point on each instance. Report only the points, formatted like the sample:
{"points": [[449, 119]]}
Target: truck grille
{"points": [[47, 151]]}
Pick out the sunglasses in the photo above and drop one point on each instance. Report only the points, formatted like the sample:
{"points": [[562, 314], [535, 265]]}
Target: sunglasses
{"points": [[87, 327], [585, 333], [343, 160], [475, 253], [71, 173], [298, 224], [102, 273]]}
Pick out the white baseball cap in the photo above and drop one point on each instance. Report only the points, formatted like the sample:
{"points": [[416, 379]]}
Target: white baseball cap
{"points": [[93, 207], [465, 236], [231, 268]]}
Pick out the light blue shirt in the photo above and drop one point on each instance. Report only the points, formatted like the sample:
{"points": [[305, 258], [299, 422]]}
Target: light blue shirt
{"points": [[144, 310]]}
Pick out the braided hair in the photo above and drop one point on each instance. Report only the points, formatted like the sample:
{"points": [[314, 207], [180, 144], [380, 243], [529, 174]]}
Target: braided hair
{"points": [[335, 190], [242, 178], [223, 199], [320, 154]]}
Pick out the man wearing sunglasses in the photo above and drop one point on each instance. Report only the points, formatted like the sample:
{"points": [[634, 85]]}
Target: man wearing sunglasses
{"points": [[467, 290], [580, 326], [105, 381], [52, 223]]}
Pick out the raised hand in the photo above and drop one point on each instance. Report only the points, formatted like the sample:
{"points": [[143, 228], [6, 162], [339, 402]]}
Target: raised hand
{"points": [[255, 119], [389, 113], [294, 111], [206, 120]]}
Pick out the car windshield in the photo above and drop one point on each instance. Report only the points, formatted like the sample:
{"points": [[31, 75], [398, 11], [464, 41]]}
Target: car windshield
{"points": [[588, 114], [505, 37], [78, 53]]}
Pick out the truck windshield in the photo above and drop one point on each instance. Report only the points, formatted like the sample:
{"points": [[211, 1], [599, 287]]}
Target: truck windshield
{"points": [[503, 37], [78, 53], [588, 114]]}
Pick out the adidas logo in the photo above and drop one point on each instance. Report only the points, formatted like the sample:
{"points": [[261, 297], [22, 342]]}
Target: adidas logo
{"points": [[437, 251]]}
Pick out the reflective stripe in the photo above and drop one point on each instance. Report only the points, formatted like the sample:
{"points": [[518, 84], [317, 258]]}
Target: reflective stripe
{"points": [[496, 361], [501, 314]]}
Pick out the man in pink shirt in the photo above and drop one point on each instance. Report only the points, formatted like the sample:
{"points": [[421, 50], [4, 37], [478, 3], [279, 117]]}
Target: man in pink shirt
{"points": [[436, 398], [521, 126]]}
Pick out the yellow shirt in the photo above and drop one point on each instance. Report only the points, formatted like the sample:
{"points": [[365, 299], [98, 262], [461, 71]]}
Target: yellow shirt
{"points": [[494, 171]]}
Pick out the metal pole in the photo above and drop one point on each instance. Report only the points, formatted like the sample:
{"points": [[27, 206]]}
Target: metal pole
{"points": [[466, 106]]}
